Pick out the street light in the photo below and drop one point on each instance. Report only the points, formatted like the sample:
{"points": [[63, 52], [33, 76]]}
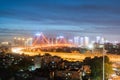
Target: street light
{"points": [[103, 52], [104, 62]]}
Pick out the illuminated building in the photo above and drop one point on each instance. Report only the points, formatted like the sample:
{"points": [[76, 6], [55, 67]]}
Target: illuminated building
{"points": [[107, 41], [98, 38], [4, 43], [86, 41], [19, 41], [81, 41], [76, 40], [116, 42], [70, 41], [102, 40]]}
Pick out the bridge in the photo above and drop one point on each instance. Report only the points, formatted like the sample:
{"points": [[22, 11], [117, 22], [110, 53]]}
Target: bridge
{"points": [[40, 40]]}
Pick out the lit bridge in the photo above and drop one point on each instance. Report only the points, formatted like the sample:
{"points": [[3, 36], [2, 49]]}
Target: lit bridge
{"points": [[40, 40]]}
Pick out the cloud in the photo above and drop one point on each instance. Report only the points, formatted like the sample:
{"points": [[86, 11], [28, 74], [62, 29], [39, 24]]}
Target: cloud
{"points": [[65, 14], [75, 16]]}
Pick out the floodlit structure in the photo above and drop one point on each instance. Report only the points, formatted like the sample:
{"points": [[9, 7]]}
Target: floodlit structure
{"points": [[43, 41], [81, 41], [102, 40], [98, 38], [76, 40], [86, 41]]}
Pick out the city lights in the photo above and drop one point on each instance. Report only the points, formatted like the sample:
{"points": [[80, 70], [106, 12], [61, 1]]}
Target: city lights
{"points": [[38, 34], [60, 37], [90, 46], [14, 37], [16, 50], [60, 40]]}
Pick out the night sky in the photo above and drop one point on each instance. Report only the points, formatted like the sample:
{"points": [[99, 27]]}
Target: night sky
{"points": [[63, 17]]}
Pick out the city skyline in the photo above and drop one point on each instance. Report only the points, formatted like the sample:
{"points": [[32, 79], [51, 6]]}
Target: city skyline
{"points": [[73, 17]]}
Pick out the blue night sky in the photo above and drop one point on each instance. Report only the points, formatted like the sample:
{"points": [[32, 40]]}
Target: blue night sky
{"points": [[66, 17]]}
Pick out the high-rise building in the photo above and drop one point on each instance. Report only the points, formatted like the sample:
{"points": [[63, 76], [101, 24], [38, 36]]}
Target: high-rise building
{"points": [[81, 41], [102, 40], [86, 41], [76, 40], [98, 39]]}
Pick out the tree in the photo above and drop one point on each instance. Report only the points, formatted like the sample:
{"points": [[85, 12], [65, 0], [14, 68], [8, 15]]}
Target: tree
{"points": [[108, 70], [97, 67]]}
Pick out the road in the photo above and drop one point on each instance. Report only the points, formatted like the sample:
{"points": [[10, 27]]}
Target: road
{"points": [[69, 56]]}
